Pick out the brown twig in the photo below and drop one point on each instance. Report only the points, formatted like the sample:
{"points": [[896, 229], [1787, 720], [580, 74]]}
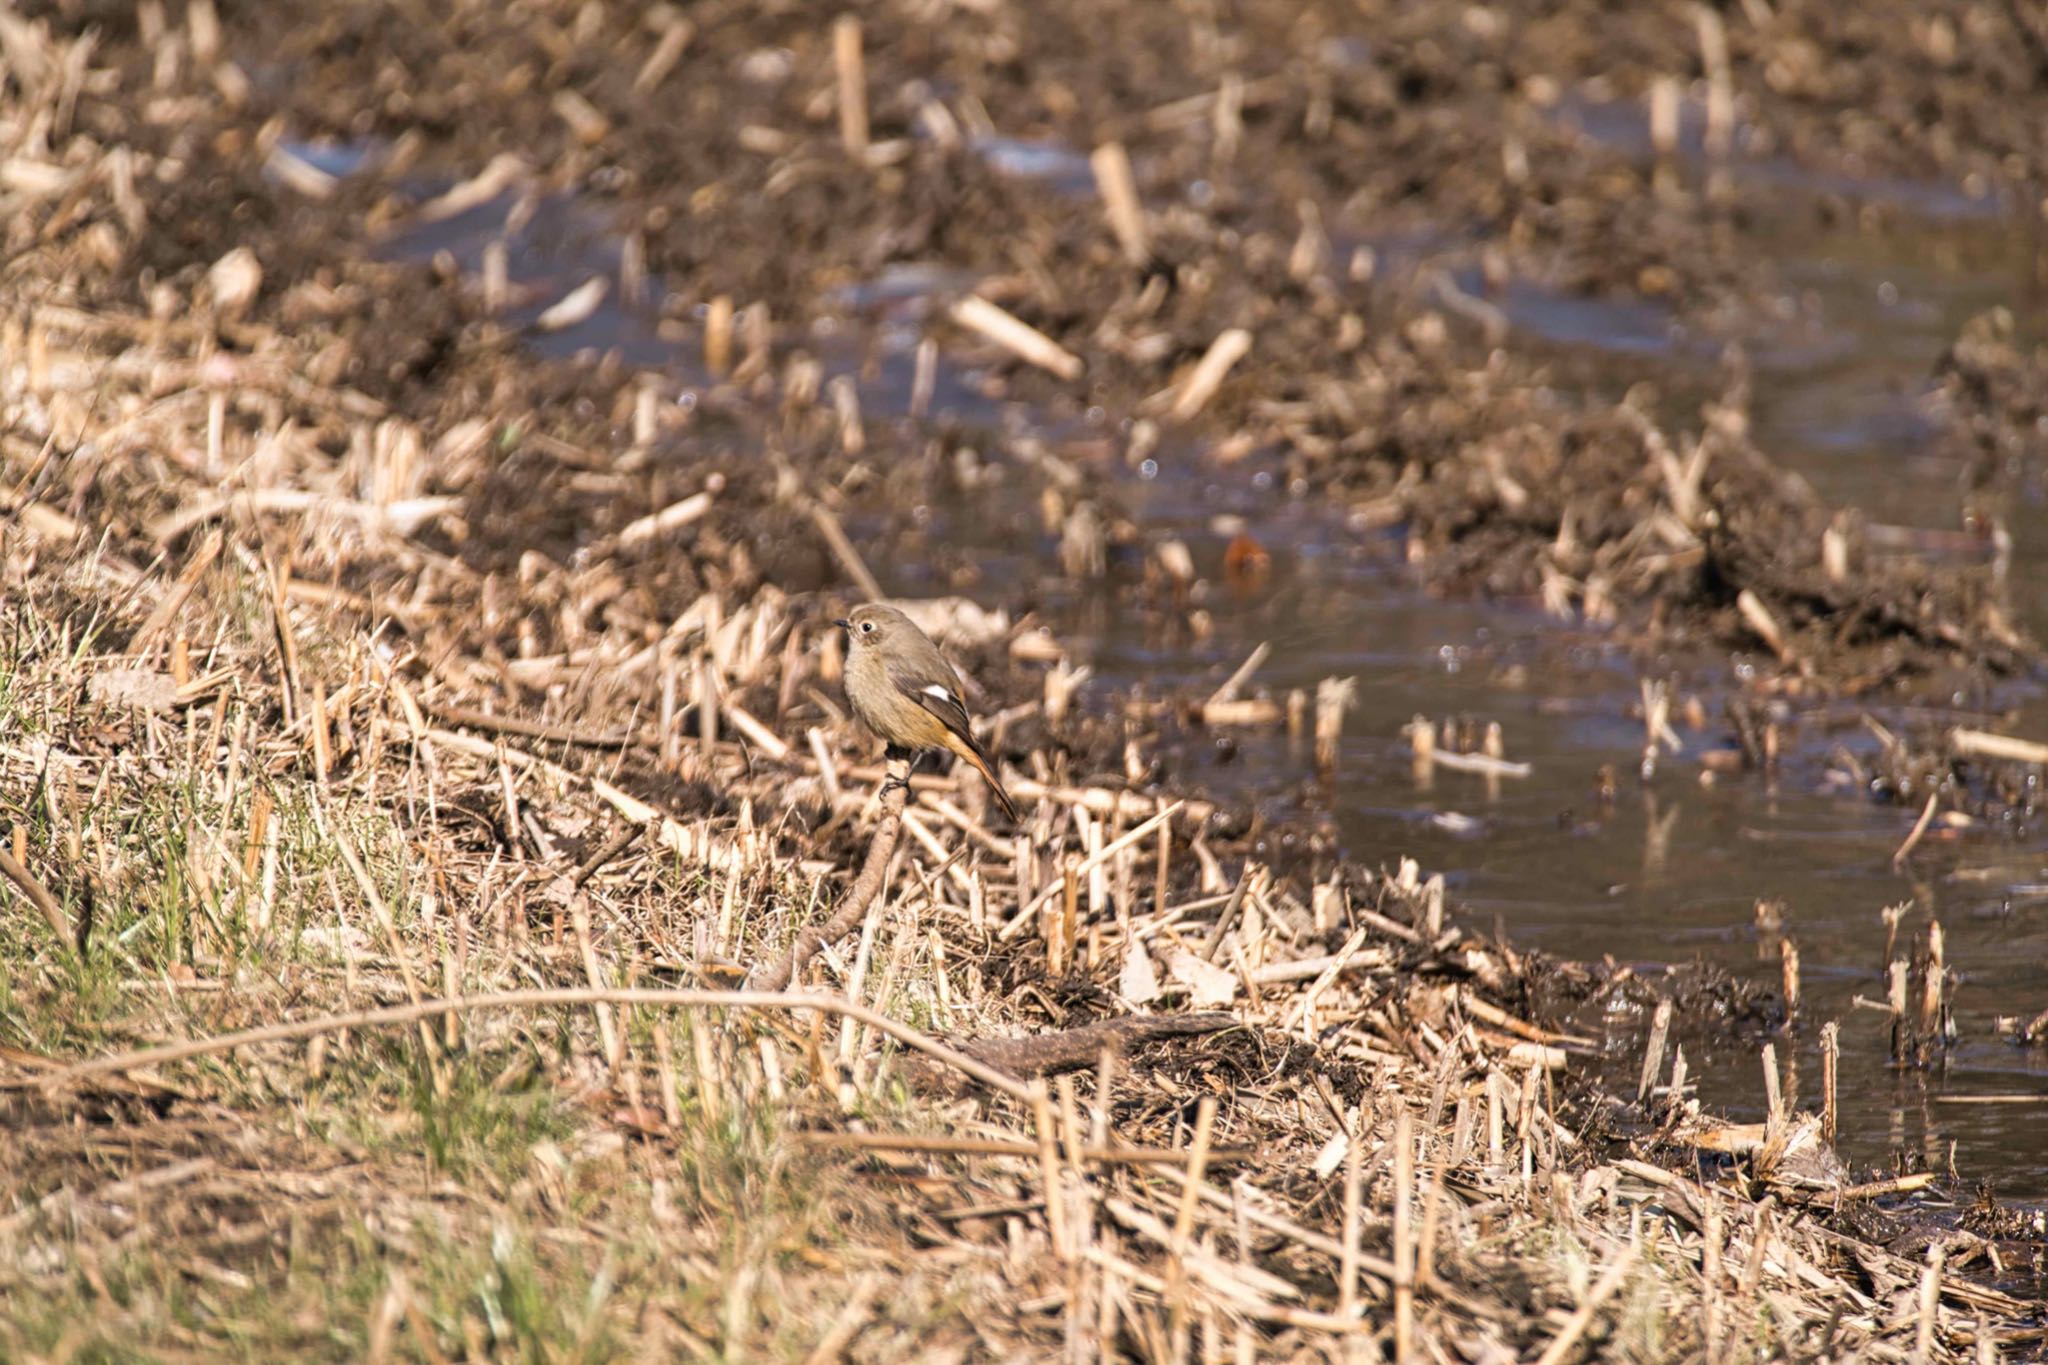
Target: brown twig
{"points": [[611, 849], [776, 973], [39, 896], [1078, 1047]]}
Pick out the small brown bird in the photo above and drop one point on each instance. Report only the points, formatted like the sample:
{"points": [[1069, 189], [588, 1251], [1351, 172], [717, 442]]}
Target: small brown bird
{"points": [[903, 689]]}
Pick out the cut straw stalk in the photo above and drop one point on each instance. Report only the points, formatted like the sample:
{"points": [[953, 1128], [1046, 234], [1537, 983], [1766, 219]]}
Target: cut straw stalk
{"points": [[718, 326], [850, 62], [1713, 39], [1019, 338], [1119, 190], [1229, 347], [668, 50], [1094, 860], [1984, 744], [843, 550], [667, 521]]}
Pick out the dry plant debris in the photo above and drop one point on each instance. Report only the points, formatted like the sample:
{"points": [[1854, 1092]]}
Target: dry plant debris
{"points": [[397, 760]]}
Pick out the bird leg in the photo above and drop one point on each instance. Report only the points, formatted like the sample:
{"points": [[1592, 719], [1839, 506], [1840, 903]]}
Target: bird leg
{"points": [[902, 763]]}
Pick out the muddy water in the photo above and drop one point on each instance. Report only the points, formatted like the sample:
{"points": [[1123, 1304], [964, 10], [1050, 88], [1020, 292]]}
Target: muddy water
{"points": [[1673, 868], [1668, 870]]}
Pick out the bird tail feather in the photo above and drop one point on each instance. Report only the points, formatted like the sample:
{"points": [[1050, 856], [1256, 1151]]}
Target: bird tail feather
{"points": [[978, 756]]}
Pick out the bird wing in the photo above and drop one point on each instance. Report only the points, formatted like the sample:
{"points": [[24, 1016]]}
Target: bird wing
{"points": [[938, 695]]}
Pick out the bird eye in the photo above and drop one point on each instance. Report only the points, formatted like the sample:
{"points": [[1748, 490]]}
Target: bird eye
{"points": [[867, 627]]}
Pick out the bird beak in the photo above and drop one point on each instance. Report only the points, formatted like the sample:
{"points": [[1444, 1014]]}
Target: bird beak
{"points": [[844, 625]]}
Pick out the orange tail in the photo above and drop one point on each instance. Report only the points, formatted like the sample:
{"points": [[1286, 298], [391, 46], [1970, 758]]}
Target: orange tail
{"points": [[974, 754]]}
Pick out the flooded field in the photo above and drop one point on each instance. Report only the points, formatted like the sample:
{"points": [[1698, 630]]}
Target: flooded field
{"points": [[1466, 525], [1580, 857]]}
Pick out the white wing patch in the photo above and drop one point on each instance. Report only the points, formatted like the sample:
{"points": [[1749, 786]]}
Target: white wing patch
{"points": [[942, 692]]}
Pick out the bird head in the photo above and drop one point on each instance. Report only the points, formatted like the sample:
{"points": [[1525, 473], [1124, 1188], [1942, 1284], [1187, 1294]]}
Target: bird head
{"points": [[873, 624]]}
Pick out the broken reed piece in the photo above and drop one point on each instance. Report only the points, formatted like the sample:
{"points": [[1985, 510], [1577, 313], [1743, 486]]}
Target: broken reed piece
{"points": [[1494, 743], [757, 336], [1236, 681], [846, 407], [586, 123], [1175, 561], [1934, 976], [1061, 682], [1918, 832], [1664, 110], [299, 174], [668, 50], [1310, 255], [1610, 1283], [1759, 619], [1019, 338], [954, 1144], [1929, 1302], [1429, 755], [1653, 1052], [670, 519], [1225, 707], [1891, 915], [718, 318], [1788, 967], [850, 62], [1774, 1093], [1119, 190], [924, 379], [1334, 697], [1249, 711], [1421, 736], [502, 173], [646, 414], [1830, 1063], [1983, 744], [1197, 1169], [1895, 1001], [1496, 1146], [633, 270], [828, 771], [757, 734], [1230, 346], [843, 550], [1834, 553], [497, 276], [1657, 731], [1713, 34]]}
